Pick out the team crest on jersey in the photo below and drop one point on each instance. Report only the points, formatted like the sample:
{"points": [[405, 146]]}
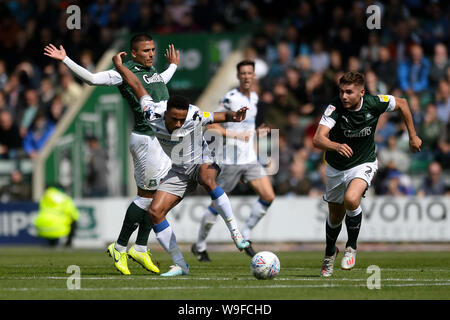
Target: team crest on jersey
{"points": [[383, 98], [206, 114], [329, 110]]}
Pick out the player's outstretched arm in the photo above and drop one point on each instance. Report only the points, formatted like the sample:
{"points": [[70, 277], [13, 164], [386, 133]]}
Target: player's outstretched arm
{"points": [[173, 57], [103, 78], [321, 141], [230, 116], [415, 143], [128, 76], [55, 53]]}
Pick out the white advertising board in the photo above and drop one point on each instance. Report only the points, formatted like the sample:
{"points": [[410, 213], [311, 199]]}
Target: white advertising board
{"points": [[298, 219]]}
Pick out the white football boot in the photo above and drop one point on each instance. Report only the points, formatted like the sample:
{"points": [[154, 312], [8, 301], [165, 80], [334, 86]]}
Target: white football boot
{"points": [[349, 259], [328, 264]]}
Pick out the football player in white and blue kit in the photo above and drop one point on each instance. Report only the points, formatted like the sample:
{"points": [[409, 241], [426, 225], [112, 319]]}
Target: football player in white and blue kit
{"points": [[178, 127], [239, 161]]}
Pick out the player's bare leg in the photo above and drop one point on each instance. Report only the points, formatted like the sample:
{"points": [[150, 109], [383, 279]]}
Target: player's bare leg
{"points": [[353, 217]]}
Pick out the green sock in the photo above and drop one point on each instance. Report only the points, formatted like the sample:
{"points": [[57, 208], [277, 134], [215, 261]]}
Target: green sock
{"points": [[144, 230], [133, 218], [353, 225]]}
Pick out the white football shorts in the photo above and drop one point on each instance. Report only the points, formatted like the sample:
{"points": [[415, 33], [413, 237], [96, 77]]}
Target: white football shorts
{"points": [[337, 181], [150, 162]]}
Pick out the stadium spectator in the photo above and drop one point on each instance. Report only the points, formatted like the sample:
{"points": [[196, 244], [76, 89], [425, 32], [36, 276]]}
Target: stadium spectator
{"points": [[3, 104], [393, 158], [56, 109], [40, 131], [10, 139], [430, 131], [393, 186], [443, 101], [13, 91], [282, 61], [3, 74], [370, 52], [416, 110], [286, 155], [294, 84], [345, 44], [373, 85], [17, 190], [443, 152], [439, 65], [334, 70], [413, 73], [436, 27], [147, 18], [385, 67], [46, 93], [293, 131], [385, 129], [99, 12], [31, 108], [86, 60], [69, 90], [298, 183], [433, 184], [320, 59], [97, 171], [177, 10], [282, 104], [318, 181]]}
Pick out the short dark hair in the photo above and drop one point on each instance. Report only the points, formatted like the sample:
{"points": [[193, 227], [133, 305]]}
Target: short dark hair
{"points": [[352, 77], [245, 63], [178, 102], [138, 38]]}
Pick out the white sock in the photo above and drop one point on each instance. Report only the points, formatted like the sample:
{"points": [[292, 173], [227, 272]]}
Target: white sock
{"points": [[168, 240], [143, 203], [120, 248], [353, 213], [140, 248], [208, 220], [223, 206], [259, 209]]}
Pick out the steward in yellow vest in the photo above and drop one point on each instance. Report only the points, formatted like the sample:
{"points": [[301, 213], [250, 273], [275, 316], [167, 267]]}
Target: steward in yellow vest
{"points": [[57, 216]]}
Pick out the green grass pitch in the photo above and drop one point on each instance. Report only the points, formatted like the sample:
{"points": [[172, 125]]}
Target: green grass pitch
{"points": [[40, 273]]}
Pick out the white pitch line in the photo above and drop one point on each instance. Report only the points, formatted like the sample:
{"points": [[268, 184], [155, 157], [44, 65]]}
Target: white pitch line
{"points": [[157, 278], [325, 285]]}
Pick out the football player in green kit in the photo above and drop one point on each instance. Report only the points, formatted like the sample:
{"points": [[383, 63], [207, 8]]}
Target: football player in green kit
{"points": [[346, 134], [151, 164]]}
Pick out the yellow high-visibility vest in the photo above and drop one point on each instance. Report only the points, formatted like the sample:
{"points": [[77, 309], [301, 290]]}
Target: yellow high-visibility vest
{"points": [[57, 211]]}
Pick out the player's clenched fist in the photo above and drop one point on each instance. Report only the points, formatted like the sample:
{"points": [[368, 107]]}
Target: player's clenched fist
{"points": [[344, 150], [117, 59]]}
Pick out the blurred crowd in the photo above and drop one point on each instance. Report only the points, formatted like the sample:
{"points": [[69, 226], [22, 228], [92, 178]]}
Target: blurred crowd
{"points": [[301, 48]]}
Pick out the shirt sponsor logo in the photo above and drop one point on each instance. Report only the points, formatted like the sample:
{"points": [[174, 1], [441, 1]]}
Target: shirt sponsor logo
{"points": [[383, 98], [154, 78], [363, 133], [329, 110]]}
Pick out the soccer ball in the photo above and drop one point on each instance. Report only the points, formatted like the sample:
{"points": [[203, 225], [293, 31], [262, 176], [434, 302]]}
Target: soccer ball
{"points": [[265, 265]]}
